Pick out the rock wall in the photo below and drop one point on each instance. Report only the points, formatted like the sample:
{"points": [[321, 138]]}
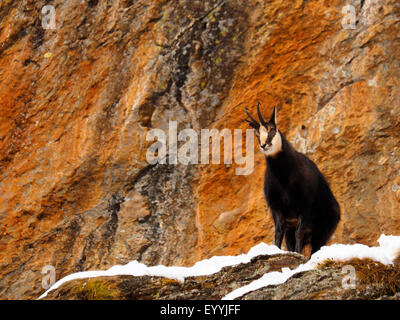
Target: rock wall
{"points": [[77, 102]]}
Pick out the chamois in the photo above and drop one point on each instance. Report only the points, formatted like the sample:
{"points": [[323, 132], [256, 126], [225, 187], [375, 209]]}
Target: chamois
{"points": [[303, 207]]}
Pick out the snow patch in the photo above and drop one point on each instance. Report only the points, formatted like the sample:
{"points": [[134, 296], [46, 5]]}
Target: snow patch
{"points": [[200, 268], [386, 252]]}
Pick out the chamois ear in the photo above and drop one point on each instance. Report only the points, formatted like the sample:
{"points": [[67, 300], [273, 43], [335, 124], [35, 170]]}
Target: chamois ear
{"points": [[273, 117]]}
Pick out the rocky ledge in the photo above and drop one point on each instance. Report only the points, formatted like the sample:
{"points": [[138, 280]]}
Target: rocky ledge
{"points": [[373, 280]]}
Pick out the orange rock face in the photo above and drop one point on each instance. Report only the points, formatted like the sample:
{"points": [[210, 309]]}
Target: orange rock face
{"points": [[77, 102], [338, 103]]}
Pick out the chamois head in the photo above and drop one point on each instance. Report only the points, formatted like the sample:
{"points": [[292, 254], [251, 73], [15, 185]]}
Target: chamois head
{"points": [[267, 133]]}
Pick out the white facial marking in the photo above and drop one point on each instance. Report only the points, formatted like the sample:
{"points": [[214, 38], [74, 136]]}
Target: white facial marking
{"points": [[276, 145], [263, 135]]}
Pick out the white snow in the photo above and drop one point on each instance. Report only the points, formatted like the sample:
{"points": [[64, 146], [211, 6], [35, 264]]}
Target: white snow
{"points": [[386, 252], [268, 279], [200, 268]]}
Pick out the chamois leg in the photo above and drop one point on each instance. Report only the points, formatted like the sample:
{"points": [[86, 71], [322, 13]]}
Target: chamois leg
{"points": [[279, 233], [316, 246], [279, 229], [300, 235], [290, 239], [320, 238]]}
